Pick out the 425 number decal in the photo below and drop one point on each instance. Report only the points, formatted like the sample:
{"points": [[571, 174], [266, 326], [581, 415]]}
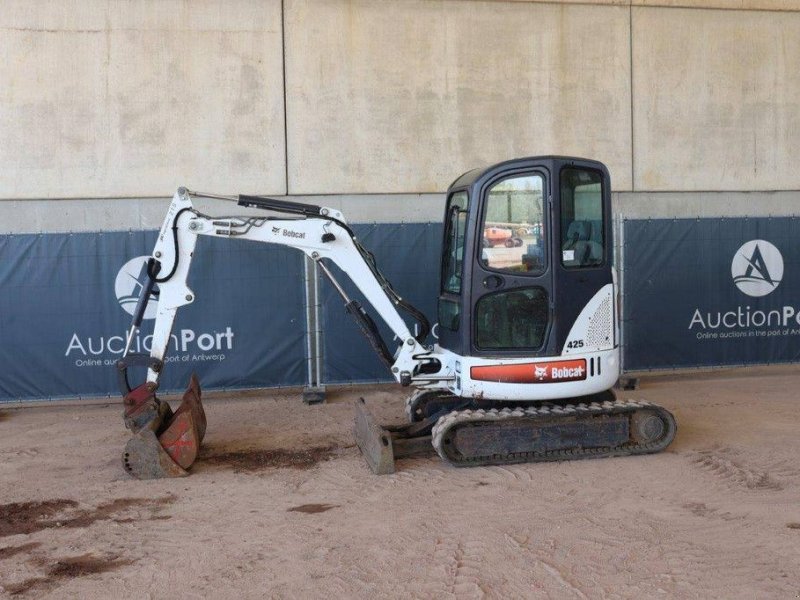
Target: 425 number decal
{"points": [[575, 344]]}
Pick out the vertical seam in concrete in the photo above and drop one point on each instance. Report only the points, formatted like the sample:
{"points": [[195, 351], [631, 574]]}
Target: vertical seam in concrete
{"points": [[630, 58], [285, 109]]}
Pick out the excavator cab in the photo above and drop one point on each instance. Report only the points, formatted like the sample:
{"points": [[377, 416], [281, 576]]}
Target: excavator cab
{"points": [[527, 274], [521, 238]]}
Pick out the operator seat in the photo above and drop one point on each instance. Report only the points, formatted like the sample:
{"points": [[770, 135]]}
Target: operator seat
{"points": [[579, 249]]}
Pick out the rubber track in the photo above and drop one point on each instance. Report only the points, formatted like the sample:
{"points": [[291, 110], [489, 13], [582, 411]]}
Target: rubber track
{"points": [[459, 418]]}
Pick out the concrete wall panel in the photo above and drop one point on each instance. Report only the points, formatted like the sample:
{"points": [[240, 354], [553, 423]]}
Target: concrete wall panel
{"points": [[114, 214], [404, 96], [689, 205], [716, 98], [111, 98], [790, 5], [722, 4], [617, 2], [73, 215]]}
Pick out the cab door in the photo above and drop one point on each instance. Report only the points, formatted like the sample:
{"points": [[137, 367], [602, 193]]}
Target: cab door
{"points": [[582, 243], [511, 286]]}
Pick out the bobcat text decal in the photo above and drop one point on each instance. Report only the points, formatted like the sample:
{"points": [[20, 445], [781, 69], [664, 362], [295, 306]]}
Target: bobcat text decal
{"points": [[546, 372]]}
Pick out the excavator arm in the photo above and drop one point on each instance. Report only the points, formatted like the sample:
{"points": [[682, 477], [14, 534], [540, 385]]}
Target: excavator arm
{"points": [[166, 443]]}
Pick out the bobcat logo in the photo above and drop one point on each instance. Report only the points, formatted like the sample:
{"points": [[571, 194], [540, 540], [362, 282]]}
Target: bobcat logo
{"points": [[540, 372]]}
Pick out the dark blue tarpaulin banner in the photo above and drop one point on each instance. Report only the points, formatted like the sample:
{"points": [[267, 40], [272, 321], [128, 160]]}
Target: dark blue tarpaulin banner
{"points": [[66, 299], [63, 319], [711, 292], [697, 292]]}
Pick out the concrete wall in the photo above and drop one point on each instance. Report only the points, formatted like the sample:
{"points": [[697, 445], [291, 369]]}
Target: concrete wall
{"points": [[114, 98], [716, 101], [787, 5], [405, 96], [112, 104]]}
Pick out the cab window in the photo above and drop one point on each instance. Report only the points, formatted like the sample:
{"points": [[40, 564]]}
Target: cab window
{"points": [[513, 233], [456, 227], [582, 218], [453, 259], [512, 319]]}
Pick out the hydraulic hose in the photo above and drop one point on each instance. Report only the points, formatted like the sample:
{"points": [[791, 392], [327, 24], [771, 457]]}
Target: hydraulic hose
{"points": [[169, 275]]}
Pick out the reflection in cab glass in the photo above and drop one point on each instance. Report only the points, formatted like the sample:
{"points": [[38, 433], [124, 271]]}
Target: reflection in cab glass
{"points": [[513, 226]]}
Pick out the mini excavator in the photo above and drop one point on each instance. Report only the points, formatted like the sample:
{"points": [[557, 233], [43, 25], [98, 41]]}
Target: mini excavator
{"points": [[528, 345]]}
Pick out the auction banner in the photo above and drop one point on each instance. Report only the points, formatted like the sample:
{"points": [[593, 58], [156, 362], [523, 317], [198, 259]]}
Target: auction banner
{"points": [[710, 292], [66, 302]]}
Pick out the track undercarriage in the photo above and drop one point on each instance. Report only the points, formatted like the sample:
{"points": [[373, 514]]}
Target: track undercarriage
{"points": [[470, 432]]}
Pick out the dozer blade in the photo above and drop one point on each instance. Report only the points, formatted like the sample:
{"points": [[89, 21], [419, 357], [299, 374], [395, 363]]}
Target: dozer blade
{"points": [[168, 445], [382, 445], [374, 441]]}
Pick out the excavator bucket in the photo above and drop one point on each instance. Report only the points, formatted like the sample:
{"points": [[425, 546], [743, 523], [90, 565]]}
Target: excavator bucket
{"points": [[164, 444]]}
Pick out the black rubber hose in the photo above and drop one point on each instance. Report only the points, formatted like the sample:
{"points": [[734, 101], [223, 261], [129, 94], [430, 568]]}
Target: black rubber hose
{"points": [[424, 324], [175, 245], [369, 258]]}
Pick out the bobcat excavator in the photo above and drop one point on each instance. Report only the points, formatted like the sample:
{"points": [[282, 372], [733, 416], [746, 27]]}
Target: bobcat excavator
{"points": [[528, 345]]}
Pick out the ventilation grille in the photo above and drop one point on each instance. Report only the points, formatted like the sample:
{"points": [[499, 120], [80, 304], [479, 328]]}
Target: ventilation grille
{"points": [[600, 324]]}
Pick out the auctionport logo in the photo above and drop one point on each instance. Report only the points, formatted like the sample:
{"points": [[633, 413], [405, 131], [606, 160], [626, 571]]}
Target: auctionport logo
{"points": [[128, 286], [757, 268]]}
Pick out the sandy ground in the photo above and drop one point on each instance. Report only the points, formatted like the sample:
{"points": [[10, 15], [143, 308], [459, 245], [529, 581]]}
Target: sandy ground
{"points": [[283, 506]]}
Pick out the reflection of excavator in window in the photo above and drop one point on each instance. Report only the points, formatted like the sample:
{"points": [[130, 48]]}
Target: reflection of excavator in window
{"points": [[528, 347]]}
